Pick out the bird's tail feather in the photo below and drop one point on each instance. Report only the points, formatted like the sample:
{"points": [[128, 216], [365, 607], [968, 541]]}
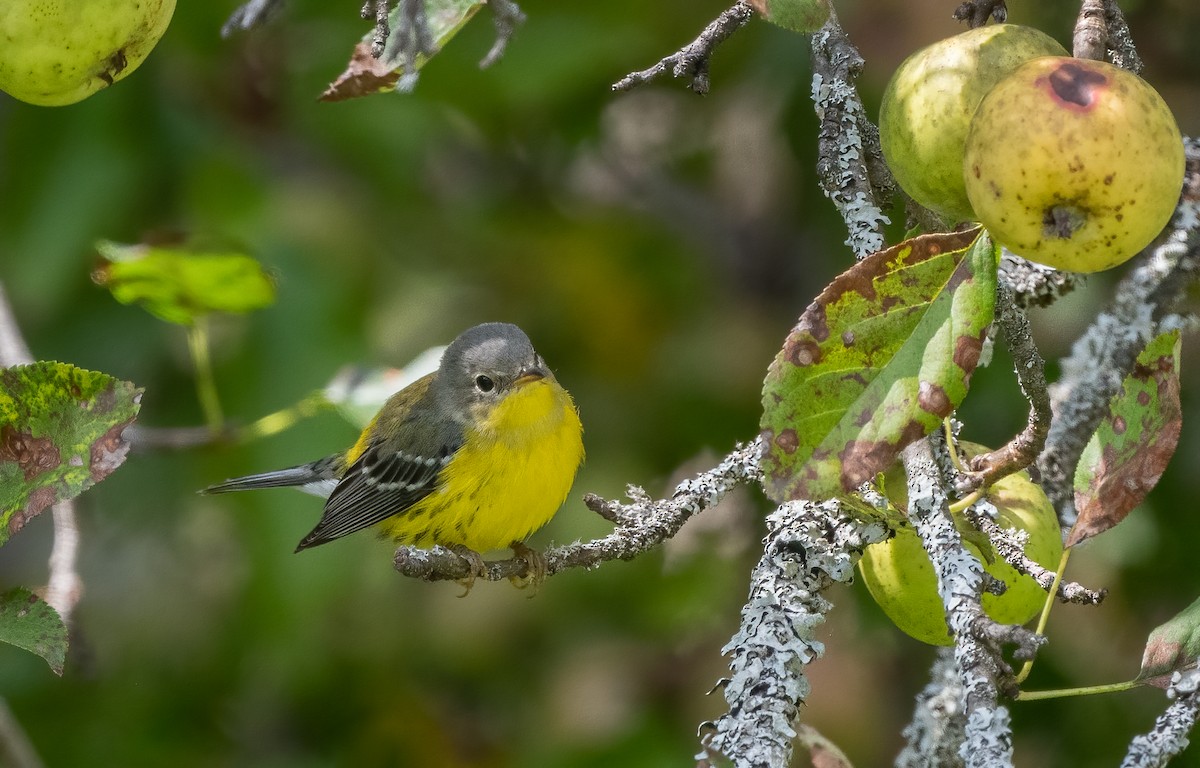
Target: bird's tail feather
{"points": [[318, 477]]}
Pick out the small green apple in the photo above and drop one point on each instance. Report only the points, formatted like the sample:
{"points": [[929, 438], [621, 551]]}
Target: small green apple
{"points": [[900, 578], [929, 101], [1073, 163], [55, 52], [806, 16]]}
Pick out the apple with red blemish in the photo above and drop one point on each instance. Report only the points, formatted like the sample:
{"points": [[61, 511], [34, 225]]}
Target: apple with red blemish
{"points": [[1073, 163]]}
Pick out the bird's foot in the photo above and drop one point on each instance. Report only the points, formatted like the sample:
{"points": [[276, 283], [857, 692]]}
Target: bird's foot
{"points": [[478, 567], [535, 567]]}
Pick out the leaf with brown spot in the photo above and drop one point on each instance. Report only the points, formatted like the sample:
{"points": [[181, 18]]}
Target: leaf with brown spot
{"points": [[366, 75], [60, 433], [875, 362], [1130, 449], [1171, 647], [28, 622]]}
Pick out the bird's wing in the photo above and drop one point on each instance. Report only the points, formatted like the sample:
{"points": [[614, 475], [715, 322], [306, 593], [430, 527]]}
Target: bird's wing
{"points": [[382, 482]]}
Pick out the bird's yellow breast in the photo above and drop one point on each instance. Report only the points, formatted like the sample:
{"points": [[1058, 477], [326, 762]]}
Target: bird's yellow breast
{"points": [[510, 476]]}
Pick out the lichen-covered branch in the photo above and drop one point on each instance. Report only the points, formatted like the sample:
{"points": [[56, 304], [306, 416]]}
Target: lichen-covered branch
{"points": [[1104, 354], [506, 17], [936, 731], [1169, 736], [1102, 34], [692, 60], [641, 525], [1033, 285], [1010, 545], [847, 140], [977, 639], [1021, 451], [808, 547]]}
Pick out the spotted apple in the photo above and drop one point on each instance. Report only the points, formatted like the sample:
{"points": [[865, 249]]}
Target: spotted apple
{"points": [[1073, 163], [56, 52]]}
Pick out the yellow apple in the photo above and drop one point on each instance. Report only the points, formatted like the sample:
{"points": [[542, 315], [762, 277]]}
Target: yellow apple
{"points": [[929, 101], [900, 578], [55, 52], [1073, 163]]}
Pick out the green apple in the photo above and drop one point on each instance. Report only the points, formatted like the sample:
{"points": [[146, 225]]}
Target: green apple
{"points": [[900, 578], [1073, 163], [55, 52], [929, 101], [805, 16]]}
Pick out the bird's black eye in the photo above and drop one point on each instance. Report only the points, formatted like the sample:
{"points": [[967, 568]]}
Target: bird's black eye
{"points": [[484, 383]]}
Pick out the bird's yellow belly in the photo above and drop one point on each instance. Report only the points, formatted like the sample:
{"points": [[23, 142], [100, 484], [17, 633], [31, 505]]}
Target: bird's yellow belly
{"points": [[507, 480]]}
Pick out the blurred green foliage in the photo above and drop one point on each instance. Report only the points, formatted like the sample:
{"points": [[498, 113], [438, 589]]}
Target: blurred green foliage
{"points": [[656, 246]]}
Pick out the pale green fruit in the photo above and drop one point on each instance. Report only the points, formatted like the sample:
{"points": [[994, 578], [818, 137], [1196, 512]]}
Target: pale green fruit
{"points": [[805, 16], [900, 578], [929, 101], [55, 52], [1074, 163]]}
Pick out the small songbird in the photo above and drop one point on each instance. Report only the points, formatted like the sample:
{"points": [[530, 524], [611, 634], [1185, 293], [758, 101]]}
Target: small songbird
{"points": [[475, 456]]}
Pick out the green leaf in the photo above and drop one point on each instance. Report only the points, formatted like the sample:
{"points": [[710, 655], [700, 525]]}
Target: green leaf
{"points": [[1131, 448], [60, 433], [366, 75], [1172, 646], [28, 622], [179, 285], [877, 361]]}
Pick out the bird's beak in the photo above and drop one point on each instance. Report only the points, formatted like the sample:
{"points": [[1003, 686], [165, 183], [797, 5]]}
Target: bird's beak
{"points": [[532, 373]]}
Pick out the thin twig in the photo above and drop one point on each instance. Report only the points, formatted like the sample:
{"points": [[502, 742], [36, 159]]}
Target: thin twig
{"points": [[1010, 545], [641, 525], [506, 16], [1090, 40], [1023, 449], [692, 60]]}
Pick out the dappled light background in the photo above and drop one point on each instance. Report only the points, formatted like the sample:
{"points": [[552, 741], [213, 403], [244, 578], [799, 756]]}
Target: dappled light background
{"points": [[657, 246]]}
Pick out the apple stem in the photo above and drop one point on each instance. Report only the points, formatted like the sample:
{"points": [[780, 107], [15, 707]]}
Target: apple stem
{"points": [[952, 447], [966, 501], [1045, 617], [206, 387], [1062, 693]]}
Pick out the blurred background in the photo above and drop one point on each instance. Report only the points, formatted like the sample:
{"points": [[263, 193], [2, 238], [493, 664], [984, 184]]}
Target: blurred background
{"points": [[656, 245]]}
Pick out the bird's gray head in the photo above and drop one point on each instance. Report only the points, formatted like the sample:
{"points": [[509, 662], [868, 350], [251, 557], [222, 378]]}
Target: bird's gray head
{"points": [[486, 362]]}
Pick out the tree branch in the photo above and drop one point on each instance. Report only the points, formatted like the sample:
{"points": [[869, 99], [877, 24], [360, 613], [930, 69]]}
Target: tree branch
{"points": [[937, 728], [641, 526], [250, 14], [808, 547], [1170, 734], [692, 60], [1021, 451], [849, 161], [977, 12]]}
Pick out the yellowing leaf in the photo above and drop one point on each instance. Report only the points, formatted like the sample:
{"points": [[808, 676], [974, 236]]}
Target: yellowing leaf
{"points": [[1130, 449], [877, 361], [178, 285]]}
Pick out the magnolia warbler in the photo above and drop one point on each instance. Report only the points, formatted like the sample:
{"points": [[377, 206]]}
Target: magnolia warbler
{"points": [[475, 456]]}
